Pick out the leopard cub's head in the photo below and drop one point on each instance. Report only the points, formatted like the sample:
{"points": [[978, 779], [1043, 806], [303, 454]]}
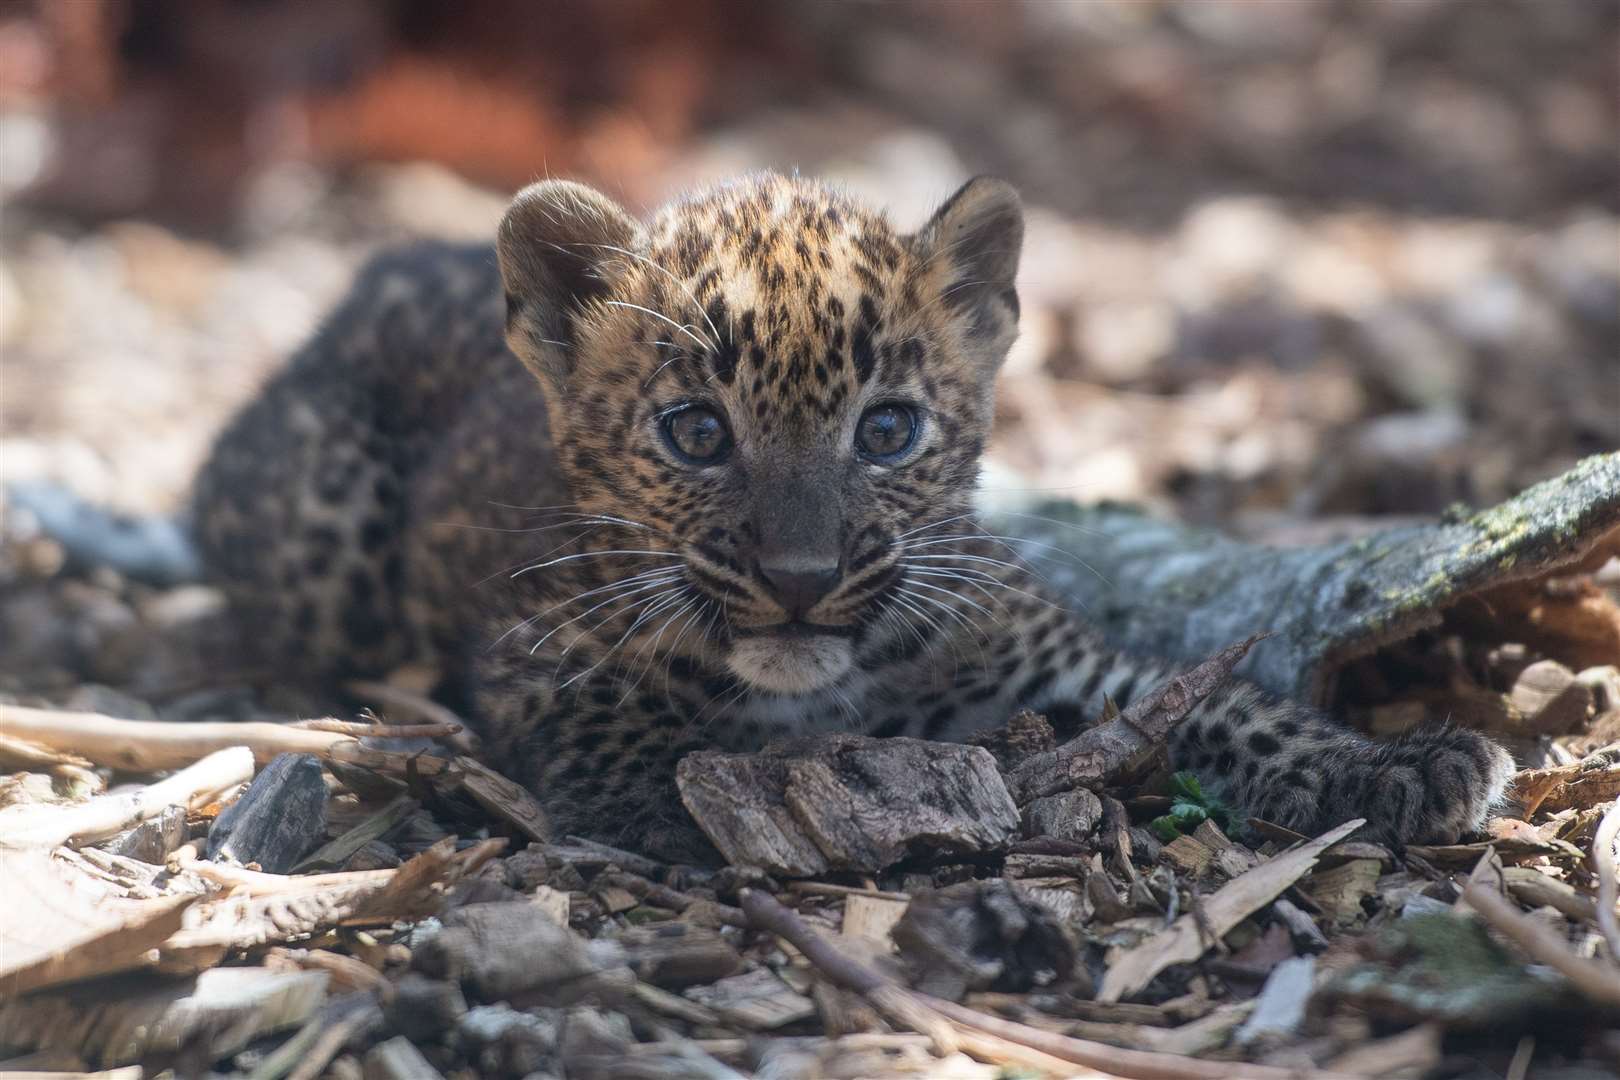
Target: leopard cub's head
{"points": [[772, 389]]}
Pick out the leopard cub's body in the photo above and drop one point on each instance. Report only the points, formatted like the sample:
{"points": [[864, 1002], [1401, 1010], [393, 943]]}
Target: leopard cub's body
{"points": [[726, 496]]}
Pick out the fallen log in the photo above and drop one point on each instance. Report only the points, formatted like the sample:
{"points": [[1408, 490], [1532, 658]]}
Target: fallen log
{"points": [[1170, 590]]}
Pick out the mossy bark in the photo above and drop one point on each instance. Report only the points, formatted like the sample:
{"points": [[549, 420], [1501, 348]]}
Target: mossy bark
{"points": [[1169, 590]]}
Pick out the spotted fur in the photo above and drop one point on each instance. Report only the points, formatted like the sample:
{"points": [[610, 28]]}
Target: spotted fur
{"points": [[406, 490]]}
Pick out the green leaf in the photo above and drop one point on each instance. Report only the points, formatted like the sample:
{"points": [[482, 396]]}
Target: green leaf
{"points": [[1165, 828], [1186, 784]]}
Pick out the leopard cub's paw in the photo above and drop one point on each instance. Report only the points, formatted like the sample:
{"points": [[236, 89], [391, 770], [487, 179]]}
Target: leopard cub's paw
{"points": [[1438, 787]]}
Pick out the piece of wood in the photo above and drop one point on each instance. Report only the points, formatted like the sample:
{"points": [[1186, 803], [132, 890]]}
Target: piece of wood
{"points": [[398, 1059], [1415, 1052], [658, 895], [983, 935], [1603, 864], [153, 745], [757, 1000], [868, 920], [1340, 891], [1192, 589], [555, 903], [423, 1006], [336, 853], [677, 955], [1598, 982], [1096, 756], [131, 1072], [1185, 940], [1566, 786], [847, 802], [1301, 925], [58, 928], [1068, 815], [1280, 1009], [214, 1014], [152, 840], [1534, 889], [192, 787], [278, 819], [270, 909], [507, 800], [1549, 699], [1188, 855]]}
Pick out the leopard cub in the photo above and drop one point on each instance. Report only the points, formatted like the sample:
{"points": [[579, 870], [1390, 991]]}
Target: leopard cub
{"points": [[705, 481]]}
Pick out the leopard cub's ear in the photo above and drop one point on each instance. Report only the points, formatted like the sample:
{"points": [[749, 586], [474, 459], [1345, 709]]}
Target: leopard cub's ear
{"points": [[979, 234], [560, 244]]}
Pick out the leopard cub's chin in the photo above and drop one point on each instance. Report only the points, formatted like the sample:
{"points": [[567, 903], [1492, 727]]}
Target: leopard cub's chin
{"points": [[784, 664]]}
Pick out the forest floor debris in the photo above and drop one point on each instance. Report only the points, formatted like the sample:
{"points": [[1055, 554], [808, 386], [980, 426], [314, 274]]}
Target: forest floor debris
{"points": [[429, 925]]}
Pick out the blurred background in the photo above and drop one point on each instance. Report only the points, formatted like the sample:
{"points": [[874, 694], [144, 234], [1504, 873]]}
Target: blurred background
{"points": [[1288, 260]]}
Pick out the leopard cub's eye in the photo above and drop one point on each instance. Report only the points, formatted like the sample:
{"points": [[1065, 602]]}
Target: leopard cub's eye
{"points": [[886, 431], [697, 434]]}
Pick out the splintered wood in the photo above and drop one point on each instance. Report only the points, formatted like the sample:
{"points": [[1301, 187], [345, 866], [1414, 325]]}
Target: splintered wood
{"points": [[1191, 935], [1098, 755], [848, 803]]}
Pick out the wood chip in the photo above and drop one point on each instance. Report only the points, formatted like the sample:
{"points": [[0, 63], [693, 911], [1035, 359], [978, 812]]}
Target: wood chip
{"points": [[1550, 699], [59, 927], [397, 1059], [509, 801], [554, 902], [1280, 1009], [848, 802], [1568, 786], [1184, 940], [214, 1014], [106, 815], [1188, 855], [758, 1000], [1340, 891], [868, 920], [277, 820], [337, 852]]}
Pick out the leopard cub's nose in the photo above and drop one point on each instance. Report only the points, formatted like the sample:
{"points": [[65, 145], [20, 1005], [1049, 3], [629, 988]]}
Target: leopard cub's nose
{"points": [[798, 588]]}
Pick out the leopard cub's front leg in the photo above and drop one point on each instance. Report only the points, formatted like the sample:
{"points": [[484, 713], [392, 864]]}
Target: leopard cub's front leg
{"points": [[1292, 765], [602, 764]]}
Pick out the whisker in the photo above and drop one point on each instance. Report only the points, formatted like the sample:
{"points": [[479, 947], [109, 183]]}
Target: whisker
{"points": [[679, 284], [649, 311], [595, 555], [647, 577], [616, 598], [640, 620]]}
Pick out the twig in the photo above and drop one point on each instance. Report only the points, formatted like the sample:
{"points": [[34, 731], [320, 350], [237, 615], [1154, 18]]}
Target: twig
{"points": [[30, 754], [153, 746], [347, 971], [192, 787], [1596, 981], [651, 892], [327, 1044], [397, 697], [363, 730], [259, 883], [1519, 1067], [989, 1038], [578, 850], [1603, 864], [827, 889]]}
